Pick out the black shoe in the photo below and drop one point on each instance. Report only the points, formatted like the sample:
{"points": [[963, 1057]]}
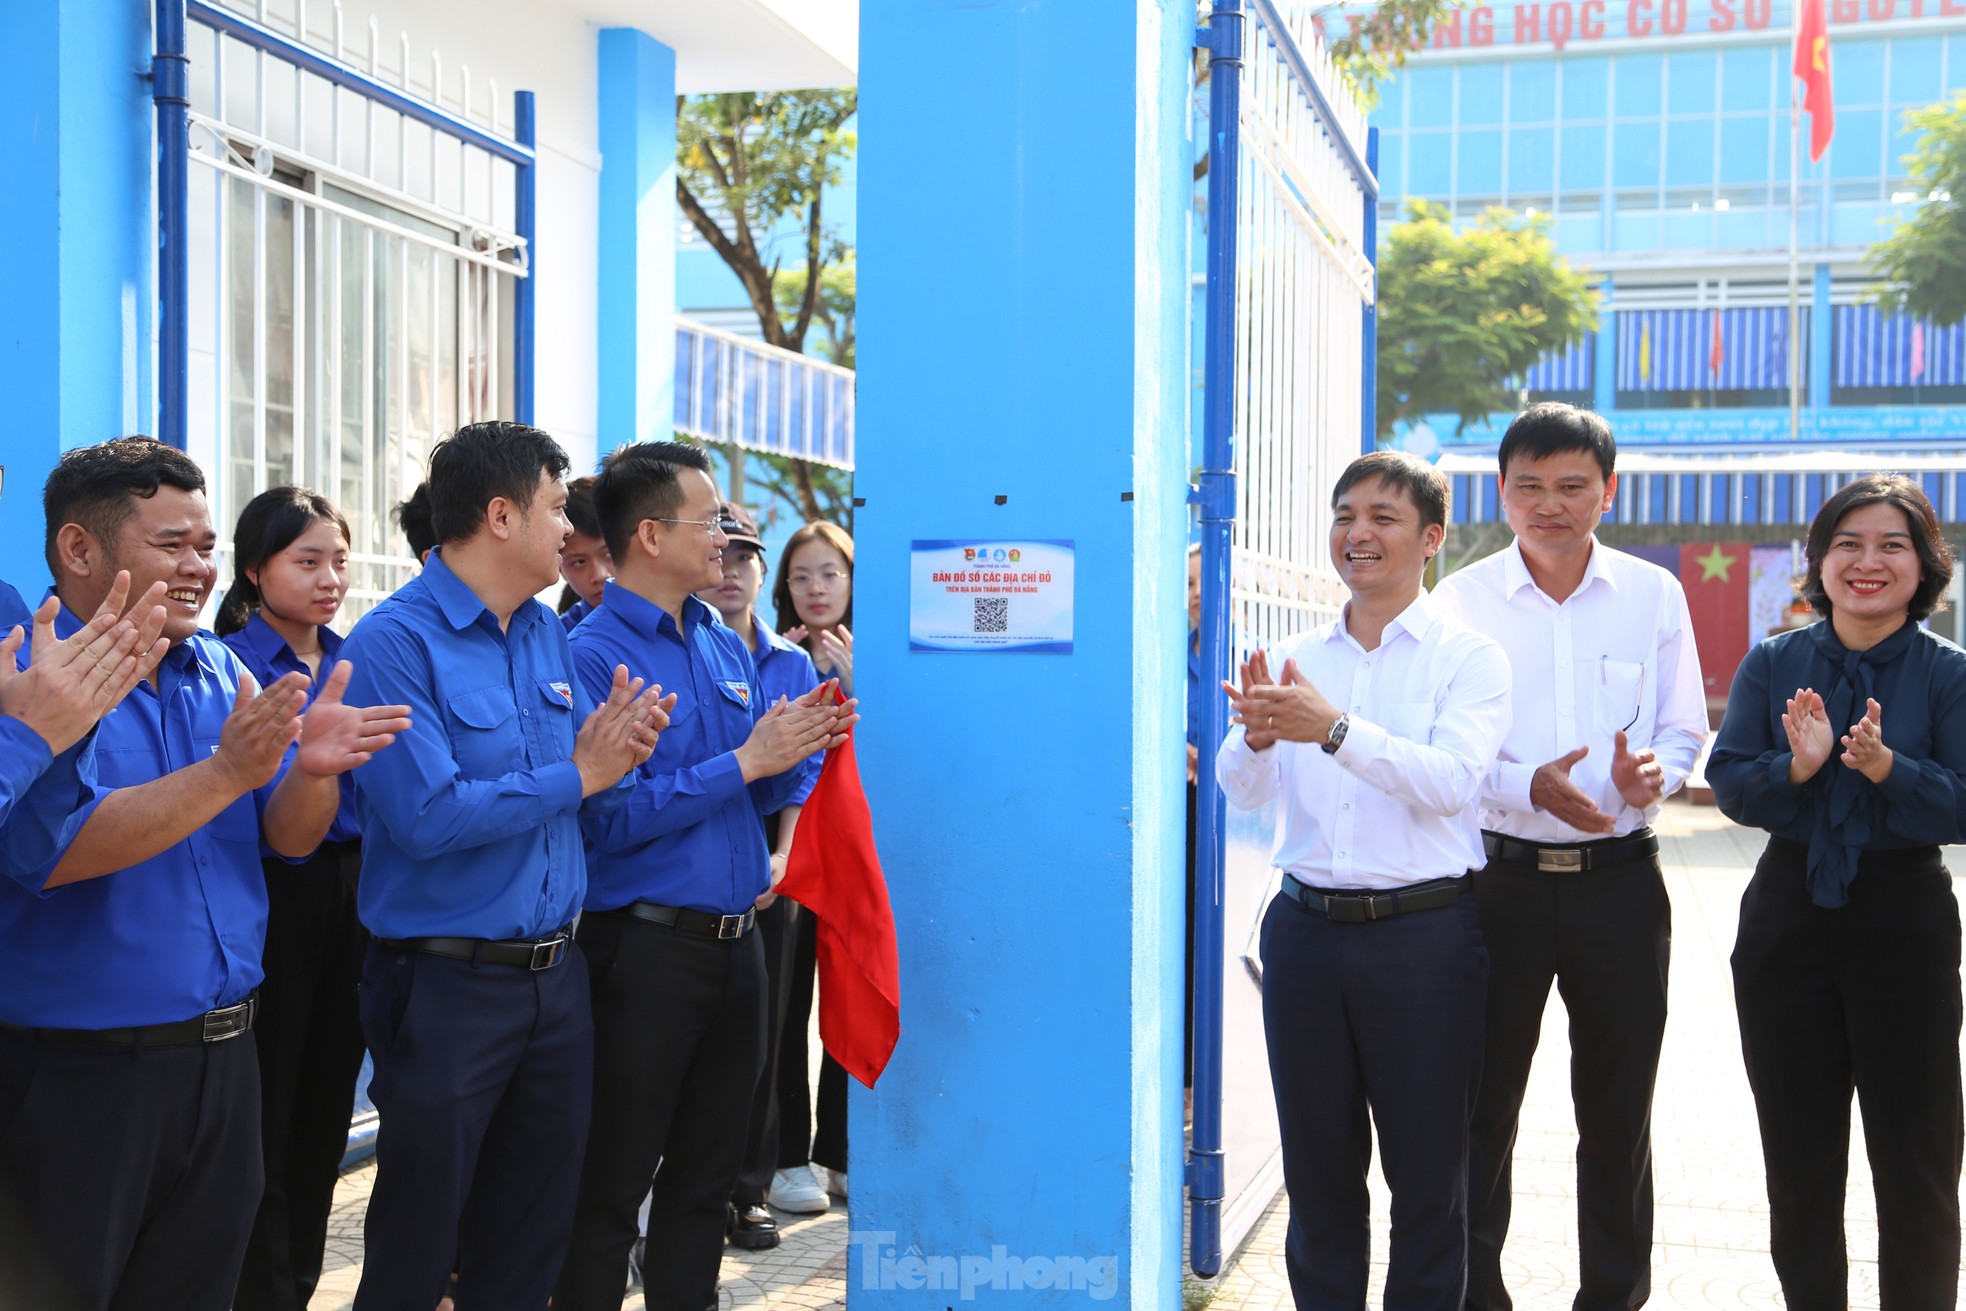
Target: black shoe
{"points": [[751, 1227]]}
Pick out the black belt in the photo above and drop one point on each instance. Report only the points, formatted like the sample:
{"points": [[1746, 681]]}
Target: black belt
{"points": [[1357, 907], [701, 923], [212, 1026], [1551, 858], [527, 953]]}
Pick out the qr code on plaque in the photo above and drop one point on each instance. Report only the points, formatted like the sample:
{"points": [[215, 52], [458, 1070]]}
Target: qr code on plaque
{"points": [[992, 614]]}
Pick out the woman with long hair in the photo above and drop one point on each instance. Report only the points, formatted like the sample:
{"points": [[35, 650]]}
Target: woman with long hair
{"points": [[290, 576], [813, 595], [1846, 740]]}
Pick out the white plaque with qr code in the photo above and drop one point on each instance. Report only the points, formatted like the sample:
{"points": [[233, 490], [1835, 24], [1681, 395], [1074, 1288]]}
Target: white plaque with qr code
{"points": [[1008, 596]]}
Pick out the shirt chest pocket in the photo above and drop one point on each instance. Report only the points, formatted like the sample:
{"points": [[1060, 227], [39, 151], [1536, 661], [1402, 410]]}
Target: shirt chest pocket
{"points": [[484, 733], [238, 822], [1617, 691], [1412, 720], [556, 717]]}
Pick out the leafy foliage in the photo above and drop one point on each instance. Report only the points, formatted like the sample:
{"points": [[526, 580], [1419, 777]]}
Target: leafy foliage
{"points": [[1368, 52], [833, 313], [1923, 262], [1461, 313], [761, 161]]}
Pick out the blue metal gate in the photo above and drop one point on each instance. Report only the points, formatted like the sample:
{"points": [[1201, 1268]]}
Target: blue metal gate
{"points": [[1288, 392]]}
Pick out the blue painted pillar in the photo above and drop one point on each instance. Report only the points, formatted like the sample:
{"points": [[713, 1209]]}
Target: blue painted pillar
{"points": [[1604, 360], [637, 254], [77, 356], [1029, 808], [1820, 357]]}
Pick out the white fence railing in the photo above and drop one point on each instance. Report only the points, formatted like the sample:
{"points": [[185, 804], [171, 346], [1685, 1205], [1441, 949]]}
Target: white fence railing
{"points": [[739, 391]]}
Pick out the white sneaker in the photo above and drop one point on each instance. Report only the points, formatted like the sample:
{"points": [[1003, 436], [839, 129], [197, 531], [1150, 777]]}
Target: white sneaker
{"points": [[796, 1190], [835, 1180]]}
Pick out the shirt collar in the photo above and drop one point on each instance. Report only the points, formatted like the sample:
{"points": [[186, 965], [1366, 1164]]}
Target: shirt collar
{"points": [[268, 645], [1414, 621], [1516, 576], [67, 624], [775, 641], [462, 607], [650, 619]]}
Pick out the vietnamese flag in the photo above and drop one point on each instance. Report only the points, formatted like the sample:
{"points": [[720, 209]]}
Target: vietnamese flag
{"points": [[1715, 576], [835, 873], [1717, 353], [1812, 66]]}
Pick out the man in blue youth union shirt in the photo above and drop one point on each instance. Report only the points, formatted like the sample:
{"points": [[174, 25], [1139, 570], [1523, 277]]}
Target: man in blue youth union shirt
{"points": [[474, 1001], [129, 1090], [678, 972]]}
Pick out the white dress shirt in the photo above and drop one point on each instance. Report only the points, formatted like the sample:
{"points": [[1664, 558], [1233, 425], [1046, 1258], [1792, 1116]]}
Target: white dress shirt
{"points": [[1618, 651], [1395, 805]]}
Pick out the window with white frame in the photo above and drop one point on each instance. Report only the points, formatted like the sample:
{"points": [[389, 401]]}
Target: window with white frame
{"points": [[352, 276]]}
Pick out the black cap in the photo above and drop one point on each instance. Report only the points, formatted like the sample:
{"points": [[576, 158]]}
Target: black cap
{"points": [[738, 525]]}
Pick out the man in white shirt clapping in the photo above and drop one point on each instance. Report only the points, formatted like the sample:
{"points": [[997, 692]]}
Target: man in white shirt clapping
{"points": [[1610, 713], [1373, 738]]}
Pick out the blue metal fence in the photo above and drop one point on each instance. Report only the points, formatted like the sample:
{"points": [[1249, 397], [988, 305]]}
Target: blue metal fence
{"points": [[1287, 402], [742, 392]]}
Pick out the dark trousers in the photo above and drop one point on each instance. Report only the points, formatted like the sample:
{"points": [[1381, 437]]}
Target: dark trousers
{"points": [[1375, 1024], [802, 1137], [1864, 996], [310, 1052], [483, 1078], [128, 1177], [679, 1043], [777, 930], [1604, 936]]}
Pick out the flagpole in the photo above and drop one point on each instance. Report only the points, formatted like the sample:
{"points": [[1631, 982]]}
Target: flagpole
{"points": [[1795, 208]]}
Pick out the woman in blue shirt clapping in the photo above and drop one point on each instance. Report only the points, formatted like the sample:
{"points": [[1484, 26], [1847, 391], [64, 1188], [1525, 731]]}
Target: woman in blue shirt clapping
{"points": [[1846, 740]]}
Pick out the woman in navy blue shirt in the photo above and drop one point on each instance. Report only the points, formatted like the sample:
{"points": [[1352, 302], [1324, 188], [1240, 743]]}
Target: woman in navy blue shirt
{"points": [[1846, 740], [290, 562]]}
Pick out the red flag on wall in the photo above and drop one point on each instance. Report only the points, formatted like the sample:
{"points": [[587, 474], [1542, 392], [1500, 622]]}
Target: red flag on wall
{"points": [[1812, 66], [835, 873], [1715, 576], [1717, 353]]}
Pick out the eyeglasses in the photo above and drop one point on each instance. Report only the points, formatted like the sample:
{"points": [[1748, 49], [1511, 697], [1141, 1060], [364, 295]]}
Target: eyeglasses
{"points": [[804, 582], [711, 526]]}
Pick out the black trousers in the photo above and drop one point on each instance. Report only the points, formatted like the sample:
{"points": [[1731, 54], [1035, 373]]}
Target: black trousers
{"points": [[128, 1178], [483, 1078], [679, 1043], [310, 1053], [802, 1136], [777, 930], [1604, 937], [1375, 1024], [1867, 997]]}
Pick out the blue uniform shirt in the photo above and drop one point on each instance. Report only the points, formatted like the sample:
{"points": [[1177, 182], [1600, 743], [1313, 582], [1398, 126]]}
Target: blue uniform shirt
{"points": [[266, 654], [45, 789], [785, 670], [173, 936], [570, 618], [470, 820], [692, 833]]}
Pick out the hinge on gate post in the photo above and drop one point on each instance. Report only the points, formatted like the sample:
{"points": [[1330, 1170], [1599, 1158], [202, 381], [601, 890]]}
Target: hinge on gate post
{"points": [[1203, 1175], [1216, 495]]}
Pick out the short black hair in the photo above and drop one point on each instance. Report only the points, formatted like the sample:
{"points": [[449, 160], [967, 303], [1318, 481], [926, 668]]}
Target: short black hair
{"points": [[1883, 489], [484, 460], [639, 482], [1426, 486], [94, 485], [413, 517], [580, 506], [1550, 428]]}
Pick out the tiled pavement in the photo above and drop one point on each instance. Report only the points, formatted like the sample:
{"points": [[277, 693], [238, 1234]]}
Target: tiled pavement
{"points": [[1712, 1215]]}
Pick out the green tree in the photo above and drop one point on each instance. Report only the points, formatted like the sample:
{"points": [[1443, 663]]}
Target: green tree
{"points": [[833, 311], [752, 169], [1462, 313], [1367, 52], [1923, 262]]}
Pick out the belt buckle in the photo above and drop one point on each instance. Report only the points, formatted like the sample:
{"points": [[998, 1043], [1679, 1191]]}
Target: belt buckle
{"points": [[730, 926], [545, 955], [1560, 860], [227, 1023]]}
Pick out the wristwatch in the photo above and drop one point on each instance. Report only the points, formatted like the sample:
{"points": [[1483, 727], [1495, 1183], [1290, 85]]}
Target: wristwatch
{"points": [[1336, 737]]}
